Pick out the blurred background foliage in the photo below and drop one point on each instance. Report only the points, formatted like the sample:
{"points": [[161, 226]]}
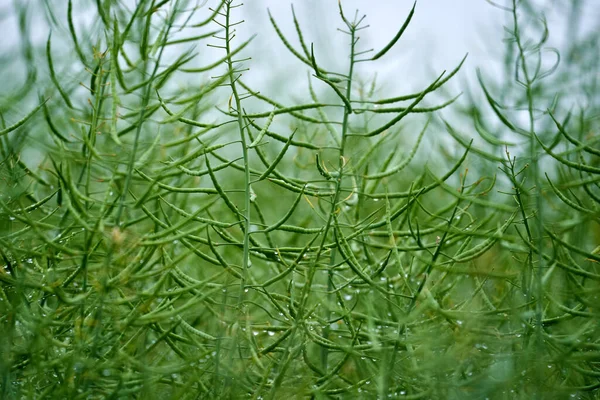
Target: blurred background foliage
{"points": [[186, 213]]}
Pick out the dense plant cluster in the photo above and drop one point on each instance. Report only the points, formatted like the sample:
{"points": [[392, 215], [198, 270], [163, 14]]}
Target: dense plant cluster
{"points": [[167, 230]]}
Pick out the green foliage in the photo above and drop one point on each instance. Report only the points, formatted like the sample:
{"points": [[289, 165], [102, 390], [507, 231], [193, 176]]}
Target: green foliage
{"points": [[160, 240]]}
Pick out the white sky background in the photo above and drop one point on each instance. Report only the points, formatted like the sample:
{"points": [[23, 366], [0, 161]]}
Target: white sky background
{"points": [[440, 34]]}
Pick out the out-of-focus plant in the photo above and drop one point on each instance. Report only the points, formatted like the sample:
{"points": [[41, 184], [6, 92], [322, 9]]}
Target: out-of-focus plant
{"points": [[170, 231]]}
